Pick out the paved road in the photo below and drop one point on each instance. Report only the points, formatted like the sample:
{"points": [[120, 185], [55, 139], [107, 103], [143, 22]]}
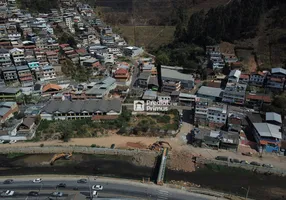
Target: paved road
{"points": [[111, 189]]}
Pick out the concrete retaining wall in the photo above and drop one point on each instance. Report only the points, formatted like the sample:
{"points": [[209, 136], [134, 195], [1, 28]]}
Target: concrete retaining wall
{"points": [[74, 149]]}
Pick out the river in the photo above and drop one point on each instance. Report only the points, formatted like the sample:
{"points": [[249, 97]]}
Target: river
{"points": [[220, 178]]}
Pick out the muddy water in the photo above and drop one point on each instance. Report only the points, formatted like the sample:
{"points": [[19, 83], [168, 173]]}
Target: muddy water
{"points": [[230, 180]]}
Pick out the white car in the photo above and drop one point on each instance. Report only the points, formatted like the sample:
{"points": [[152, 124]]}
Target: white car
{"points": [[1, 141], [94, 194], [37, 180], [97, 187], [12, 141], [7, 193]]}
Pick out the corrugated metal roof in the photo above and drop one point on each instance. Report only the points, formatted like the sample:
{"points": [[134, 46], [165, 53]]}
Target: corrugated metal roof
{"points": [[210, 91], [272, 116], [268, 130], [80, 106]]}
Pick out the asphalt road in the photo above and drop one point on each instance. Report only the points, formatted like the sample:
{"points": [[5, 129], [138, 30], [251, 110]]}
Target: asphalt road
{"points": [[111, 189]]}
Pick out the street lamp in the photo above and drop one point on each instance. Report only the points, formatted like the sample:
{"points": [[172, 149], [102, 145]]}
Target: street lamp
{"points": [[247, 191]]}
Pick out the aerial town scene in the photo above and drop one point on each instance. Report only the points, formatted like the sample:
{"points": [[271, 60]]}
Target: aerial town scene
{"points": [[133, 99]]}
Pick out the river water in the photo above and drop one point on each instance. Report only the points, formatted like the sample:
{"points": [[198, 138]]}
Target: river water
{"points": [[229, 180]]}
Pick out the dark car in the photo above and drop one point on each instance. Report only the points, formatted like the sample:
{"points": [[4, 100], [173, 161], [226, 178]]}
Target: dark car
{"points": [[33, 193], [8, 181], [267, 165], [255, 163], [83, 180], [222, 158], [61, 185], [112, 146], [236, 160]]}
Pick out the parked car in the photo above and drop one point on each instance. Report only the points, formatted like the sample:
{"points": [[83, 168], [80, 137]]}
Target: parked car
{"points": [[57, 194], [234, 160], [94, 194], [244, 162], [33, 193], [97, 187], [37, 180], [12, 141], [247, 154], [112, 146], [2, 141], [7, 193], [267, 165], [223, 158], [8, 181], [61, 185], [255, 163], [83, 180]]}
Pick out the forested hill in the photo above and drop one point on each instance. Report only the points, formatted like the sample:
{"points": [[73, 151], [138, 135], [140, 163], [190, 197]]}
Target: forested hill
{"points": [[258, 24], [240, 19]]}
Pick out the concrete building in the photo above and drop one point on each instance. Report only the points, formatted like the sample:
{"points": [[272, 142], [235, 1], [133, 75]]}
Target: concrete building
{"points": [[132, 51], [277, 78], [267, 136], [258, 78], [46, 73], [9, 94], [5, 58], [217, 115], [234, 91], [178, 80], [10, 75], [214, 94], [25, 76], [18, 56]]}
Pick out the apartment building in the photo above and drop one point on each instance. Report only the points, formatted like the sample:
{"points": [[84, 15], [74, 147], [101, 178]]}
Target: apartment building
{"points": [[235, 91], [258, 78], [5, 58], [33, 65], [46, 72], [172, 80], [211, 114], [277, 78], [52, 57], [25, 76], [18, 56], [132, 51], [217, 115], [10, 75]]}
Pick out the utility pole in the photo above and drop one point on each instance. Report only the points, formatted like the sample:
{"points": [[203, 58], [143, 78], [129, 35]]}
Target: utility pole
{"points": [[89, 188]]}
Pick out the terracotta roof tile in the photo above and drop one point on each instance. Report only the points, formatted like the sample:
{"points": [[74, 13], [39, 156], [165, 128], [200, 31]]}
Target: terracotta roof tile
{"points": [[51, 86]]}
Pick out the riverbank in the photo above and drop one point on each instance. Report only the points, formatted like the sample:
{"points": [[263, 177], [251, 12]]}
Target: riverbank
{"points": [[218, 178]]}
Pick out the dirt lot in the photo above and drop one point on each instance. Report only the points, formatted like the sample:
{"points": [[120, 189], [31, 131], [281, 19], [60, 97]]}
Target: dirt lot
{"points": [[150, 37]]}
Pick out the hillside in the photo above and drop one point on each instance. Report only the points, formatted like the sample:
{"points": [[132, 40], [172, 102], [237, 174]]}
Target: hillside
{"points": [[149, 12]]}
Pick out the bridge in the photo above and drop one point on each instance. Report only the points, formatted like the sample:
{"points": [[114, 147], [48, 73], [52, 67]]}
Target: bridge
{"points": [[162, 169]]}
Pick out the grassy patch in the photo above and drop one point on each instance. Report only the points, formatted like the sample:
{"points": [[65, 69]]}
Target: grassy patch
{"points": [[15, 155]]}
